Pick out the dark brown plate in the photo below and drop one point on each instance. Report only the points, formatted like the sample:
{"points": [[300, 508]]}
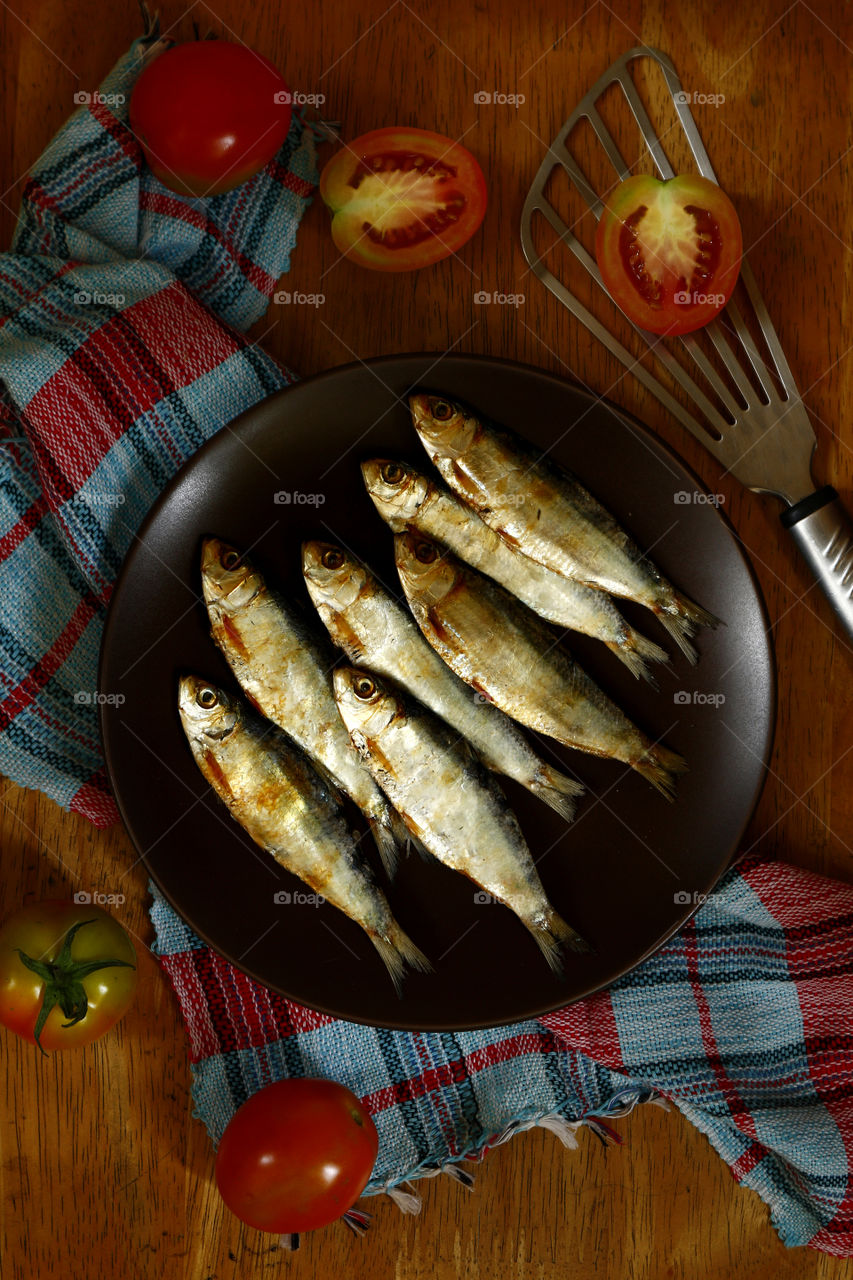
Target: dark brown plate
{"points": [[628, 870]]}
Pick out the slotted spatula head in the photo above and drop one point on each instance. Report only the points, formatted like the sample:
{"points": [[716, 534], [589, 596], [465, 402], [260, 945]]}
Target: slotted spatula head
{"points": [[746, 407]]}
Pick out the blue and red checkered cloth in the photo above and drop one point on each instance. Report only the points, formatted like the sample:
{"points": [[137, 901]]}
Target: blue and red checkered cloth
{"points": [[122, 314]]}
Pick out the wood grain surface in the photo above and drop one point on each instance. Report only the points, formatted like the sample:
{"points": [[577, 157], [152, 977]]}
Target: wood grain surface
{"points": [[104, 1172]]}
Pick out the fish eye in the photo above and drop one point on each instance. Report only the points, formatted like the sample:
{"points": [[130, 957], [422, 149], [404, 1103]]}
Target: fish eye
{"points": [[206, 698], [230, 559], [333, 558], [442, 411], [364, 687], [392, 473], [426, 552]]}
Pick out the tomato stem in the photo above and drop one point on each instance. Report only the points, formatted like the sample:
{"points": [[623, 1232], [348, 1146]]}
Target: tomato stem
{"points": [[63, 981]]}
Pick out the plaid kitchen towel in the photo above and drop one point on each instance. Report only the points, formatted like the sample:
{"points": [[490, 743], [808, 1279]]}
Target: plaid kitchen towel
{"points": [[742, 1020], [123, 309]]}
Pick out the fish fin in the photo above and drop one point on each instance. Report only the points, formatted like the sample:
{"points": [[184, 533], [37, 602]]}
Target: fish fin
{"points": [[647, 648], [553, 936], [661, 767], [412, 838], [389, 839], [696, 615], [634, 661], [418, 845], [557, 790], [397, 950], [681, 630]]}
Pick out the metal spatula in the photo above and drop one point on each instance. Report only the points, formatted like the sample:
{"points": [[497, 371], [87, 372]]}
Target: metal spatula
{"points": [[757, 425]]}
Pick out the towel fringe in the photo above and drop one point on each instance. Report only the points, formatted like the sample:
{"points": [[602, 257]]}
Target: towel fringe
{"points": [[406, 1201], [566, 1130]]}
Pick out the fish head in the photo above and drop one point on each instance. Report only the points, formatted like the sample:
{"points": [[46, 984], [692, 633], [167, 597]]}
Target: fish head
{"points": [[229, 579], [208, 713], [427, 571], [365, 706], [397, 490], [445, 426], [333, 576]]}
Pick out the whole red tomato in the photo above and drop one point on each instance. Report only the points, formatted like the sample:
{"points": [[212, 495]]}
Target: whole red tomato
{"points": [[296, 1155], [403, 198], [209, 115], [669, 252], [67, 973]]}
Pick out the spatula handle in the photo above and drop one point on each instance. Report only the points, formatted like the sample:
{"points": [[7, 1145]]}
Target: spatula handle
{"points": [[823, 531]]}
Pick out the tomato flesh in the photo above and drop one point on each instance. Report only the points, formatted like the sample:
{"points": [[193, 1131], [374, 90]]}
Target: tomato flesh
{"points": [[296, 1155], [209, 115], [39, 930], [669, 252], [403, 198]]}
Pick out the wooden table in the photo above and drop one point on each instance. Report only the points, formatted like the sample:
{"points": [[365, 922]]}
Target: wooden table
{"points": [[104, 1172]]}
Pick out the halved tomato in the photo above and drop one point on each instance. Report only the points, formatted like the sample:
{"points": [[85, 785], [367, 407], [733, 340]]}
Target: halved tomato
{"points": [[669, 252], [403, 198]]}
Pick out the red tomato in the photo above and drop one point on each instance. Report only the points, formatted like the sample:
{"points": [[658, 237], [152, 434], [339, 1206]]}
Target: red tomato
{"points": [[209, 115], [296, 1155], [669, 252], [67, 966], [403, 198]]}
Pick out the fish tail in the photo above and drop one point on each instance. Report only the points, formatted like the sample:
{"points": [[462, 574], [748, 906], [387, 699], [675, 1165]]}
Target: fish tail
{"points": [[557, 790], [681, 616], [555, 934], [681, 629], [646, 648], [390, 836], [661, 767], [696, 615], [397, 950], [636, 652]]}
